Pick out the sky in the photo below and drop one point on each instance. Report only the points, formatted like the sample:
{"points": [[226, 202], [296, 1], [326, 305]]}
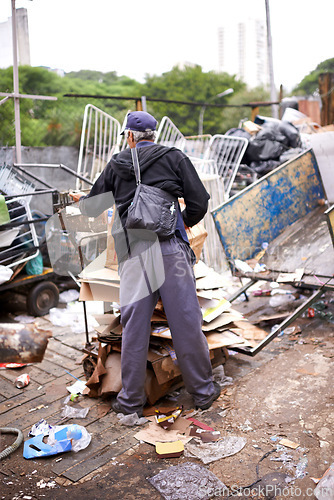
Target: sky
{"points": [[137, 38]]}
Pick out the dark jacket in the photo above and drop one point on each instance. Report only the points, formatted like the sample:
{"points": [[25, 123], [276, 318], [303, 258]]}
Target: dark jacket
{"points": [[166, 168]]}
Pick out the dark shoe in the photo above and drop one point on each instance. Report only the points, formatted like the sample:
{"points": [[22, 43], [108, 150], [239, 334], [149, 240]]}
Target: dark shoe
{"points": [[213, 398], [117, 407]]}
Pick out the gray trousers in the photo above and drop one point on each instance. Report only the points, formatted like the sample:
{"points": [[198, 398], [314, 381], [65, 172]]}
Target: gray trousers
{"points": [[176, 287]]}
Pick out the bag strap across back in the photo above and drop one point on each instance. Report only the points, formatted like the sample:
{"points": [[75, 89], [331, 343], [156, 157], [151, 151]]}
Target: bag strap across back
{"points": [[135, 162]]}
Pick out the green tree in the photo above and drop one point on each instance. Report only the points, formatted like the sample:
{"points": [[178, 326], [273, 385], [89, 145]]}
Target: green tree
{"points": [[190, 84], [310, 83]]}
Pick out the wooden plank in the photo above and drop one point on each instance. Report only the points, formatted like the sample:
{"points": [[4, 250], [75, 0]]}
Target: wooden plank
{"points": [[65, 350], [27, 414], [84, 468], [51, 368], [20, 399], [60, 360], [262, 211], [8, 389]]}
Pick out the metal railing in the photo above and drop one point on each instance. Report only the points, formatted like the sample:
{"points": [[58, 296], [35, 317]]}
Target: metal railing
{"points": [[227, 152], [99, 140], [169, 135]]}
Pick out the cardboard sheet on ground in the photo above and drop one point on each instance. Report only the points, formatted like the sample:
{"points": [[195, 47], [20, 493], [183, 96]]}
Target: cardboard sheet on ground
{"points": [[153, 433], [224, 339], [222, 320], [211, 309]]}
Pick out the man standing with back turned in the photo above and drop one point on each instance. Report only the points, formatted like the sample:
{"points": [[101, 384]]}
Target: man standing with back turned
{"points": [[171, 170]]}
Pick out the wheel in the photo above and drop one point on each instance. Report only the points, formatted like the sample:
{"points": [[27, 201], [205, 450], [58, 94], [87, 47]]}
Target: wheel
{"points": [[42, 298]]}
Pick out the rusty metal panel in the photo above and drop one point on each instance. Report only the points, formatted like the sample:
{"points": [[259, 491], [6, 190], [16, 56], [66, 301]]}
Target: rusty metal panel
{"points": [[264, 209]]}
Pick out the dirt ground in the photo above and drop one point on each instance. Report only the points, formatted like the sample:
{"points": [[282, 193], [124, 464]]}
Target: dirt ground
{"points": [[285, 391]]}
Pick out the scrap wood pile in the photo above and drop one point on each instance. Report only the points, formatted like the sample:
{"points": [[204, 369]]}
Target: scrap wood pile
{"points": [[223, 327]]}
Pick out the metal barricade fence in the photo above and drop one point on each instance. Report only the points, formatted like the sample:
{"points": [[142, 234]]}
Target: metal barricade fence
{"points": [[227, 152], [99, 140], [169, 135], [196, 145], [212, 254]]}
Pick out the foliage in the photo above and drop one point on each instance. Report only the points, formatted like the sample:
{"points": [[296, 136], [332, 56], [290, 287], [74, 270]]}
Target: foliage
{"points": [[310, 83], [190, 84]]}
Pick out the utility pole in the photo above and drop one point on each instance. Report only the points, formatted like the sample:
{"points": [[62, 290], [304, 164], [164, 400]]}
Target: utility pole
{"points": [[16, 88], [273, 93]]}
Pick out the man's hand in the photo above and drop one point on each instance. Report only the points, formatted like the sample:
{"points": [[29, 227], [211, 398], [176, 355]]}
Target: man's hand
{"points": [[76, 196]]}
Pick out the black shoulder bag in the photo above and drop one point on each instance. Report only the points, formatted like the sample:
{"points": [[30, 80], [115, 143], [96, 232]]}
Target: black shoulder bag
{"points": [[152, 208]]}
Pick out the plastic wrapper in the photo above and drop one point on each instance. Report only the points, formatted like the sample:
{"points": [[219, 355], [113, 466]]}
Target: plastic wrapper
{"points": [[131, 420], [188, 481], [210, 452]]}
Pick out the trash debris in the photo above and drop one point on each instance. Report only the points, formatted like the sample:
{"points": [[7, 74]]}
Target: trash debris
{"points": [[288, 443], [5, 274], [131, 420], [187, 481], [70, 295], [77, 388], [246, 426], [325, 487], [166, 420], [60, 439], [25, 318], [220, 377], [301, 467], [172, 449], [69, 411], [209, 452], [203, 435], [22, 380]]}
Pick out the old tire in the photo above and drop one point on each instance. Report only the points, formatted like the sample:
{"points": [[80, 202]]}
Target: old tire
{"points": [[42, 298]]}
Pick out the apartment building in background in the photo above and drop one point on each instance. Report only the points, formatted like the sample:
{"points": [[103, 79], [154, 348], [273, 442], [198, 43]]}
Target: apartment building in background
{"points": [[6, 40], [242, 50]]}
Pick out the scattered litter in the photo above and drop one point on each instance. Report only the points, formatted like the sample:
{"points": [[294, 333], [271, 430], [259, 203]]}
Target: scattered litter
{"points": [[24, 318], [209, 452], [77, 388], [61, 438], [200, 424], [167, 419], [301, 467], [5, 273], [71, 316], [220, 377], [187, 481], [22, 381], [246, 426], [73, 411], [173, 449], [203, 435], [288, 443], [325, 487], [42, 427], [37, 408], [69, 296], [12, 365], [242, 266], [153, 433], [42, 484], [131, 420]]}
